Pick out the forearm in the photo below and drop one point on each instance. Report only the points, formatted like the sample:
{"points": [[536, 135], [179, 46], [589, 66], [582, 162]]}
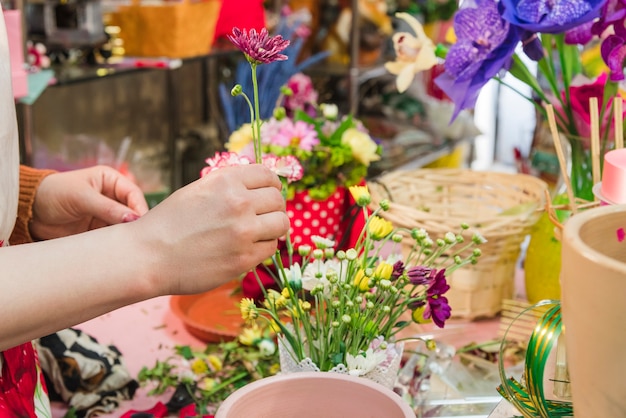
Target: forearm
{"points": [[51, 285]]}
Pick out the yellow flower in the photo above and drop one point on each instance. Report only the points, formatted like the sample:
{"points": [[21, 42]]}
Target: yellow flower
{"points": [[364, 149], [248, 309], [239, 139], [206, 384], [383, 271], [413, 53], [418, 316], [361, 281], [249, 335], [379, 227], [361, 195], [274, 368], [215, 362], [199, 366]]}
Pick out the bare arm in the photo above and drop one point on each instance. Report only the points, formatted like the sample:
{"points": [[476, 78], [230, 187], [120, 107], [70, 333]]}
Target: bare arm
{"points": [[203, 235]]}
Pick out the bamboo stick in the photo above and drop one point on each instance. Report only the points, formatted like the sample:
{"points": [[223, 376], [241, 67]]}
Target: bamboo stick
{"points": [[595, 140], [556, 138], [618, 122]]}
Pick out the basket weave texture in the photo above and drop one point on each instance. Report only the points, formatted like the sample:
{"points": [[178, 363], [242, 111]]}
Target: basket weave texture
{"points": [[501, 207]]}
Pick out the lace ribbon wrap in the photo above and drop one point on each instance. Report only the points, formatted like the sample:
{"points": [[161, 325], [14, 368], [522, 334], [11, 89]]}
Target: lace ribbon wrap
{"points": [[385, 373]]}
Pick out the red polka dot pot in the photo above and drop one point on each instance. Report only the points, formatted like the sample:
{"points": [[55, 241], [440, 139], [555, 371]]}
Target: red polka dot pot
{"points": [[315, 217]]}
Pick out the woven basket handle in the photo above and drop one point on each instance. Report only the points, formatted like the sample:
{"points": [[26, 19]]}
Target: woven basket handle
{"points": [[384, 186]]}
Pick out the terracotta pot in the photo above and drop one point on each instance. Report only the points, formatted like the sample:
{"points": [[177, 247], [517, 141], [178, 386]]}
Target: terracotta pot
{"points": [[593, 286], [314, 394]]}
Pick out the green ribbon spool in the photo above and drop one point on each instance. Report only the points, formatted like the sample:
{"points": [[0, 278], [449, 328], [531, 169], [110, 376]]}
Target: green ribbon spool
{"points": [[528, 396]]}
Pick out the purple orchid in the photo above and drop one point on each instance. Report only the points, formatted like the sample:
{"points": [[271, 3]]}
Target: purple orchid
{"points": [[259, 47], [485, 45], [550, 16], [613, 47]]}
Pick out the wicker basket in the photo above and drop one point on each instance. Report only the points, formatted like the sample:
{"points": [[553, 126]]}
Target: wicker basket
{"points": [[501, 207]]}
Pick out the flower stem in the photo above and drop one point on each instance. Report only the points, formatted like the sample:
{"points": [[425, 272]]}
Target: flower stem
{"points": [[256, 128]]}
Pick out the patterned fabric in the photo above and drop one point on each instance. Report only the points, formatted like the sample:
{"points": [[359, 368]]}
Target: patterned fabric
{"points": [[22, 390], [87, 375]]}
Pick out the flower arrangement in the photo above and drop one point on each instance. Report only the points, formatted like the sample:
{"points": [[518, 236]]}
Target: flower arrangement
{"points": [[494, 37], [343, 310], [340, 309]]}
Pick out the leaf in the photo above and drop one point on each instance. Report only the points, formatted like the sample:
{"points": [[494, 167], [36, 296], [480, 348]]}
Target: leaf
{"points": [[185, 351]]}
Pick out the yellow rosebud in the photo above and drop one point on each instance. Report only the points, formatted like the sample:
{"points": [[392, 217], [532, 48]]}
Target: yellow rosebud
{"points": [[198, 366], [383, 271], [418, 316], [215, 362], [206, 384], [379, 227], [240, 138], [364, 149], [361, 281], [361, 195]]}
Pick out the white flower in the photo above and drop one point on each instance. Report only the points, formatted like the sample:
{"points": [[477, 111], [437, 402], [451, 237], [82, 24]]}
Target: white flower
{"points": [[413, 53], [321, 242], [364, 149], [329, 110], [316, 273], [364, 363], [267, 347]]}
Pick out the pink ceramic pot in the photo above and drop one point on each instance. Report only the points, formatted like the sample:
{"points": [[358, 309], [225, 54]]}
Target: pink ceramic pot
{"points": [[314, 395]]}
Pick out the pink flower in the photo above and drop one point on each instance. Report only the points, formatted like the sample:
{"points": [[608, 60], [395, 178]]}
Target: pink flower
{"points": [[224, 159], [270, 130], [579, 105], [259, 48], [287, 166], [299, 134], [304, 95]]}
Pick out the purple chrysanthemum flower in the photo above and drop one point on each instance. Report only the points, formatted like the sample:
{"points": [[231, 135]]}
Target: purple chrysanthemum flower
{"points": [[485, 45], [420, 275], [550, 16], [398, 269], [259, 47], [438, 308]]}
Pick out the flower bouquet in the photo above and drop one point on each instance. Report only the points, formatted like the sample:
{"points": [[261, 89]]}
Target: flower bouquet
{"points": [[342, 311]]}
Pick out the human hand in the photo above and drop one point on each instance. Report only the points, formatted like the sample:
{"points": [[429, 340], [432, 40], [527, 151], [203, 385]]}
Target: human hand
{"points": [[76, 201], [212, 230]]}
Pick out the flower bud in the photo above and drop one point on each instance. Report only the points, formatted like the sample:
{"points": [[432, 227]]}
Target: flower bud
{"points": [[318, 254], [346, 319], [384, 204], [351, 254], [236, 90], [304, 250], [280, 113], [330, 111]]}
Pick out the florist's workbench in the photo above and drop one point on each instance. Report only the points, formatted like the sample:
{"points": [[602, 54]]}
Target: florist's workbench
{"points": [[147, 331]]}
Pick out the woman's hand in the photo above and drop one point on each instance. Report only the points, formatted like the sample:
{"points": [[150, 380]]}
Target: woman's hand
{"points": [[76, 201], [213, 230]]}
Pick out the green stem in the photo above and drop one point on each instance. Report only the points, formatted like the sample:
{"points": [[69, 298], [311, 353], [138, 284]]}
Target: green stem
{"points": [[256, 129]]}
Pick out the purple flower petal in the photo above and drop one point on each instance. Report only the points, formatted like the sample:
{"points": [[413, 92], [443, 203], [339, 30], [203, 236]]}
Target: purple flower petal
{"points": [[613, 51], [259, 47], [550, 16]]}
